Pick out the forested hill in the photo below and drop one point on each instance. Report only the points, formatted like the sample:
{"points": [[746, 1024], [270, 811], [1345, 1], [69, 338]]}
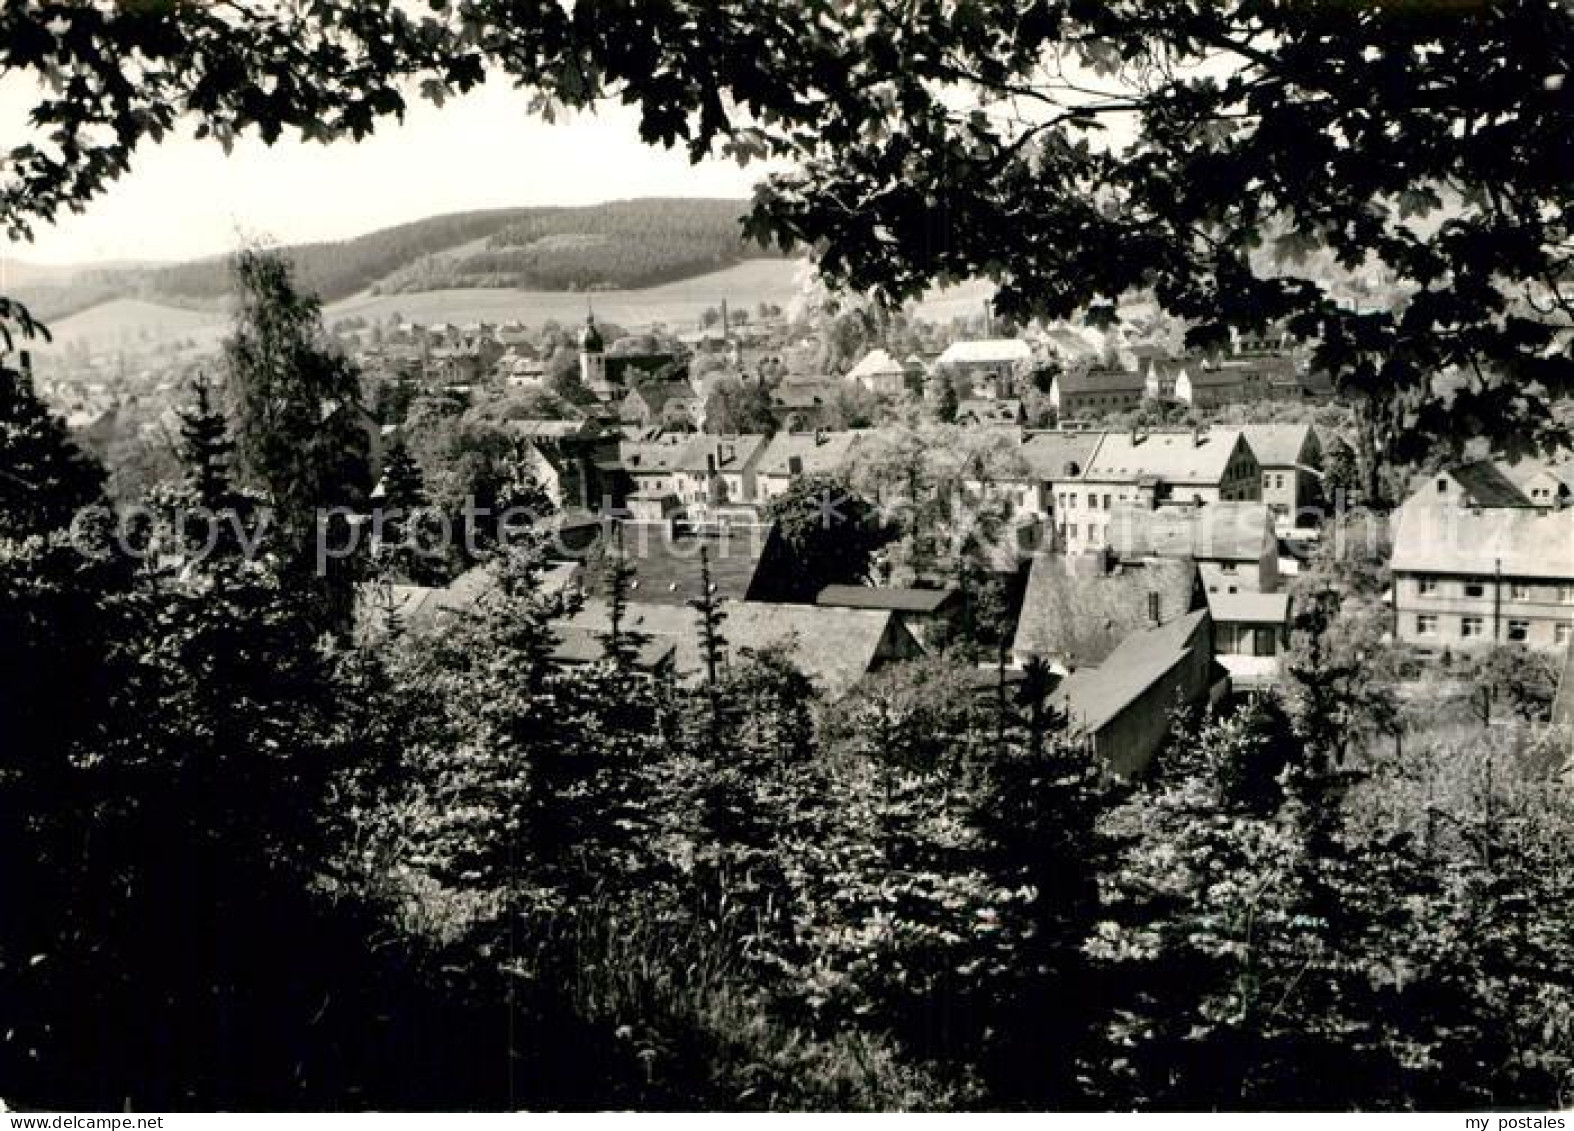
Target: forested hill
{"points": [[339, 268], [616, 245], [625, 244]]}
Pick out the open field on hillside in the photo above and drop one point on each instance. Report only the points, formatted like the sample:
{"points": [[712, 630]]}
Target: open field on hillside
{"points": [[133, 323]]}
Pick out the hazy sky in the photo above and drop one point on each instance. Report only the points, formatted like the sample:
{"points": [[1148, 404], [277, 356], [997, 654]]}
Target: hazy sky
{"points": [[186, 198]]}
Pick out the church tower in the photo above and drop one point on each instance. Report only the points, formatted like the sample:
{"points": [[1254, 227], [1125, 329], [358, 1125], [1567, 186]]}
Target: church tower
{"points": [[593, 359]]}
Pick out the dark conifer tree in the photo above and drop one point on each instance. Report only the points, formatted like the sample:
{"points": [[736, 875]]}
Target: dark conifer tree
{"points": [[404, 487]]}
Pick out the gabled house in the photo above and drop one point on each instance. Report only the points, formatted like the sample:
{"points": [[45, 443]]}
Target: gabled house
{"points": [[1120, 710], [1468, 576], [702, 472], [1147, 468], [659, 404], [991, 366], [1250, 632], [565, 457], [1050, 458], [798, 404], [1096, 391], [1547, 485], [1291, 459], [880, 373], [834, 647], [1232, 543], [793, 454], [1078, 608], [1478, 484]]}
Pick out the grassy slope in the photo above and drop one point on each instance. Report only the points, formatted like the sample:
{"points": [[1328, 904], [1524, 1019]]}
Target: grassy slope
{"points": [[678, 305]]}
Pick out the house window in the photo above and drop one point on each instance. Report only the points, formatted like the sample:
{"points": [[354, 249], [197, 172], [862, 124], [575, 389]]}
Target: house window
{"points": [[1519, 591], [1518, 631], [1227, 567], [1426, 586], [1472, 628], [1442, 486], [1106, 502], [1093, 535], [1566, 594], [1426, 625], [1562, 632], [1071, 532], [1475, 589]]}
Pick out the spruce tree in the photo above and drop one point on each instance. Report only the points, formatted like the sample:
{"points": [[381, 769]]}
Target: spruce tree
{"points": [[205, 449], [712, 647], [404, 487]]}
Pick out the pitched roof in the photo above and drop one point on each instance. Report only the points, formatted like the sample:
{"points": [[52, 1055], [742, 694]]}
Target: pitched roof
{"points": [[814, 393], [1519, 541], [987, 351], [1171, 457], [1249, 607], [1214, 377], [1091, 697], [662, 454], [1240, 532], [896, 598], [1100, 380], [730, 453], [667, 565], [1486, 486], [579, 645], [876, 363], [817, 452], [1076, 612], [654, 395], [1058, 455], [1278, 445], [835, 647], [1524, 473]]}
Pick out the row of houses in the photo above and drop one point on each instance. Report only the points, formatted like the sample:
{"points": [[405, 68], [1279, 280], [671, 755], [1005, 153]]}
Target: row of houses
{"points": [[1067, 483], [1095, 379]]}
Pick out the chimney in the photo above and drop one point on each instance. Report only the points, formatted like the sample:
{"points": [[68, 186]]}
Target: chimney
{"points": [[1197, 432]]}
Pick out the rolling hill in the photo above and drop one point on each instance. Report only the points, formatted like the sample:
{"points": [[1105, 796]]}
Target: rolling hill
{"points": [[621, 245], [126, 322]]}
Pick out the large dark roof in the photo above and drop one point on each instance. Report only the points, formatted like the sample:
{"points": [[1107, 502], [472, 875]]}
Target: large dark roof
{"points": [[667, 565], [896, 598], [1075, 613], [834, 647], [1486, 486], [1092, 697]]}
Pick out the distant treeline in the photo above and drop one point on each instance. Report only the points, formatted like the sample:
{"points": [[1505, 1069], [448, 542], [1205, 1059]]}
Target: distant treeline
{"points": [[635, 243], [335, 270]]}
